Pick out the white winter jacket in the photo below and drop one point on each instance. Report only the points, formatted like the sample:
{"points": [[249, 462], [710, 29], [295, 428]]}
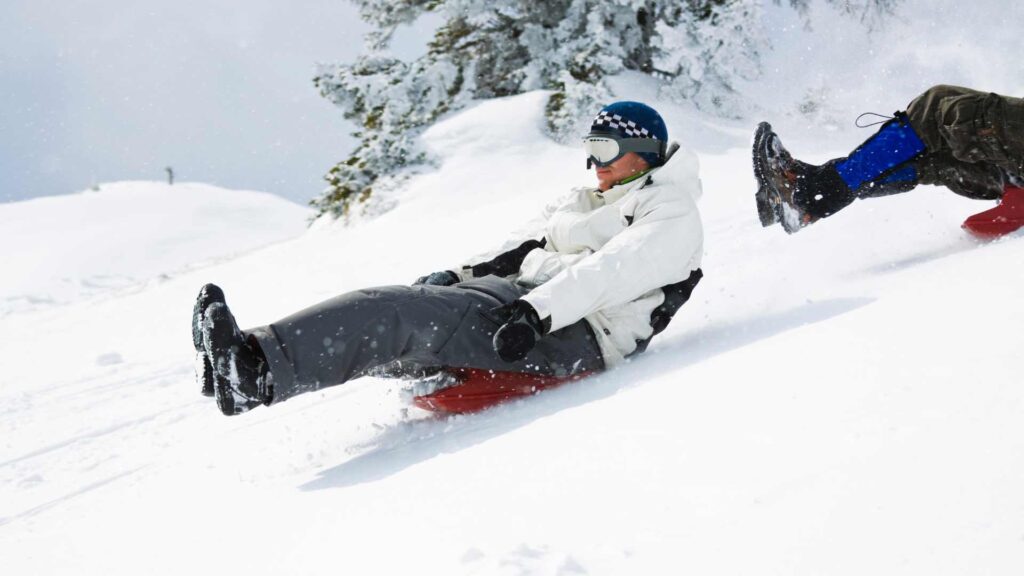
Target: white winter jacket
{"points": [[608, 254]]}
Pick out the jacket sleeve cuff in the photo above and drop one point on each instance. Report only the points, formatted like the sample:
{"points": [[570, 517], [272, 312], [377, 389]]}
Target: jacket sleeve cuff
{"points": [[541, 304]]}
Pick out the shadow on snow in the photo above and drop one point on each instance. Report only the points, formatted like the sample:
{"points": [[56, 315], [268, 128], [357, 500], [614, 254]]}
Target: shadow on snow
{"points": [[410, 443]]}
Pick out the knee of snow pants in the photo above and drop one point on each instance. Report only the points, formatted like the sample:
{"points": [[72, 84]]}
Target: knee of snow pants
{"points": [[971, 126], [978, 180]]}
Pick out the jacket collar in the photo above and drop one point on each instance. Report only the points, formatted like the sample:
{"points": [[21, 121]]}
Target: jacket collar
{"points": [[613, 194]]}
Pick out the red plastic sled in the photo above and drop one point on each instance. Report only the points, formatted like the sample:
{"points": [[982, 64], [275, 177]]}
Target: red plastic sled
{"points": [[480, 389], [1005, 218]]}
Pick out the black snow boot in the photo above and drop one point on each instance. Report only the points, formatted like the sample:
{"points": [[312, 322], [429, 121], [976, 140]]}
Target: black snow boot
{"points": [[240, 373], [797, 194], [792, 192], [204, 372]]}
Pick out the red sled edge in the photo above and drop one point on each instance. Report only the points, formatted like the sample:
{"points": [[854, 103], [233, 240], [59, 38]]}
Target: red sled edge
{"points": [[1006, 218], [482, 389]]}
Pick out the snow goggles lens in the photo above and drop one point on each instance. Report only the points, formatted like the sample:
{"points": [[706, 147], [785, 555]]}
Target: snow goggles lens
{"points": [[602, 150]]}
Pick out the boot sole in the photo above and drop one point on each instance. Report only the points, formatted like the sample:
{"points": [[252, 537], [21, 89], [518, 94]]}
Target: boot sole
{"points": [[208, 294], [772, 207], [221, 333], [218, 332], [769, 202]]}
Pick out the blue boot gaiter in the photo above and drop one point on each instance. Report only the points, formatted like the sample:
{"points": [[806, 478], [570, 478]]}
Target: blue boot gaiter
{"points": [[894, 144]]}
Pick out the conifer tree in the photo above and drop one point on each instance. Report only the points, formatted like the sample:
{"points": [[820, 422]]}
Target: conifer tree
{"points": [[698, 49]]}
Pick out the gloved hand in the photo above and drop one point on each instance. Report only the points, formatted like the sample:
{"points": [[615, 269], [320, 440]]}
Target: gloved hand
{"points": [[520, 329], [442, 278]]}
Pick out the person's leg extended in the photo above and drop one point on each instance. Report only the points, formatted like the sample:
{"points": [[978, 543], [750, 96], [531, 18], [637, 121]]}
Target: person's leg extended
{"points": [[957, 137], [796, 194], [422, 326]]}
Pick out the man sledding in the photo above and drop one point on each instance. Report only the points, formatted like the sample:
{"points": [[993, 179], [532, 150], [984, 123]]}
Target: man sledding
{"points": [[605, 272], [968, 141]]}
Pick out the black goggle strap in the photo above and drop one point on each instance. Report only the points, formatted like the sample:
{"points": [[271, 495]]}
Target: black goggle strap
{"points": [[643, 145]]}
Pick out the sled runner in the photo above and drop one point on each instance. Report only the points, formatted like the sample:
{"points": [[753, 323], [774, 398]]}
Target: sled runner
{"points": [[463, 390]]}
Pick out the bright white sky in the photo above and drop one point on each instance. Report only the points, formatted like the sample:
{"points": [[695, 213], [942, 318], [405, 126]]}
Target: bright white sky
{"points": [[111, 90]]}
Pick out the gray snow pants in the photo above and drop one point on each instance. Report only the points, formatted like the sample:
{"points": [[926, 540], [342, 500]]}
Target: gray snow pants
{"points": [[975, 140], [408, 329]]}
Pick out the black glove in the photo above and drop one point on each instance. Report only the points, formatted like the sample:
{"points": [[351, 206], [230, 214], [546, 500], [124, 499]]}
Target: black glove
{"points": [[442, 278], [520, 329]]}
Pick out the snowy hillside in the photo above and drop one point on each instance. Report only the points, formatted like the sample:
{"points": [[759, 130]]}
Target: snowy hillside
{"points": [[846, 400], [58, 250]]}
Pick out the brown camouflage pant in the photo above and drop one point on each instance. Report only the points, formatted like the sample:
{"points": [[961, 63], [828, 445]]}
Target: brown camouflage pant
{"points": [[975, 140]]}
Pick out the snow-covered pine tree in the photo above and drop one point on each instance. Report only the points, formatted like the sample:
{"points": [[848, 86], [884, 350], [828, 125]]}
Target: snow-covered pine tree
{"points": [[870, 12], [493, 48], [389, 101], [713, 45]]}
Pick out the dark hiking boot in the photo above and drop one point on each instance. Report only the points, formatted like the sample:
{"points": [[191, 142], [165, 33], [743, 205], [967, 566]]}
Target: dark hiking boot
{"points": [[784, 184], [796, 194], [240, 373], [1005, 218], [204, 372]]}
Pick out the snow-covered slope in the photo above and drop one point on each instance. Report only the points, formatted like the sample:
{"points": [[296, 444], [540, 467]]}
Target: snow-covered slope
{"points": [[63, 249], [846, 400]]}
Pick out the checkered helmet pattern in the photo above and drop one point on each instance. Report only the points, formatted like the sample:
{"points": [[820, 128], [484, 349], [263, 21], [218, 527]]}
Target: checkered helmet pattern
{"points": [[606, 120]]}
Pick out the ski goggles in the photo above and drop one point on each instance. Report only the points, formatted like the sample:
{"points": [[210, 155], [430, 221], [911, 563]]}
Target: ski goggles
{"points": [[603, 149]]}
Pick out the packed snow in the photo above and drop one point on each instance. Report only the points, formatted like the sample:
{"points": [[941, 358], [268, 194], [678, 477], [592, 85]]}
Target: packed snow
{"points": [[846, 400]]}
